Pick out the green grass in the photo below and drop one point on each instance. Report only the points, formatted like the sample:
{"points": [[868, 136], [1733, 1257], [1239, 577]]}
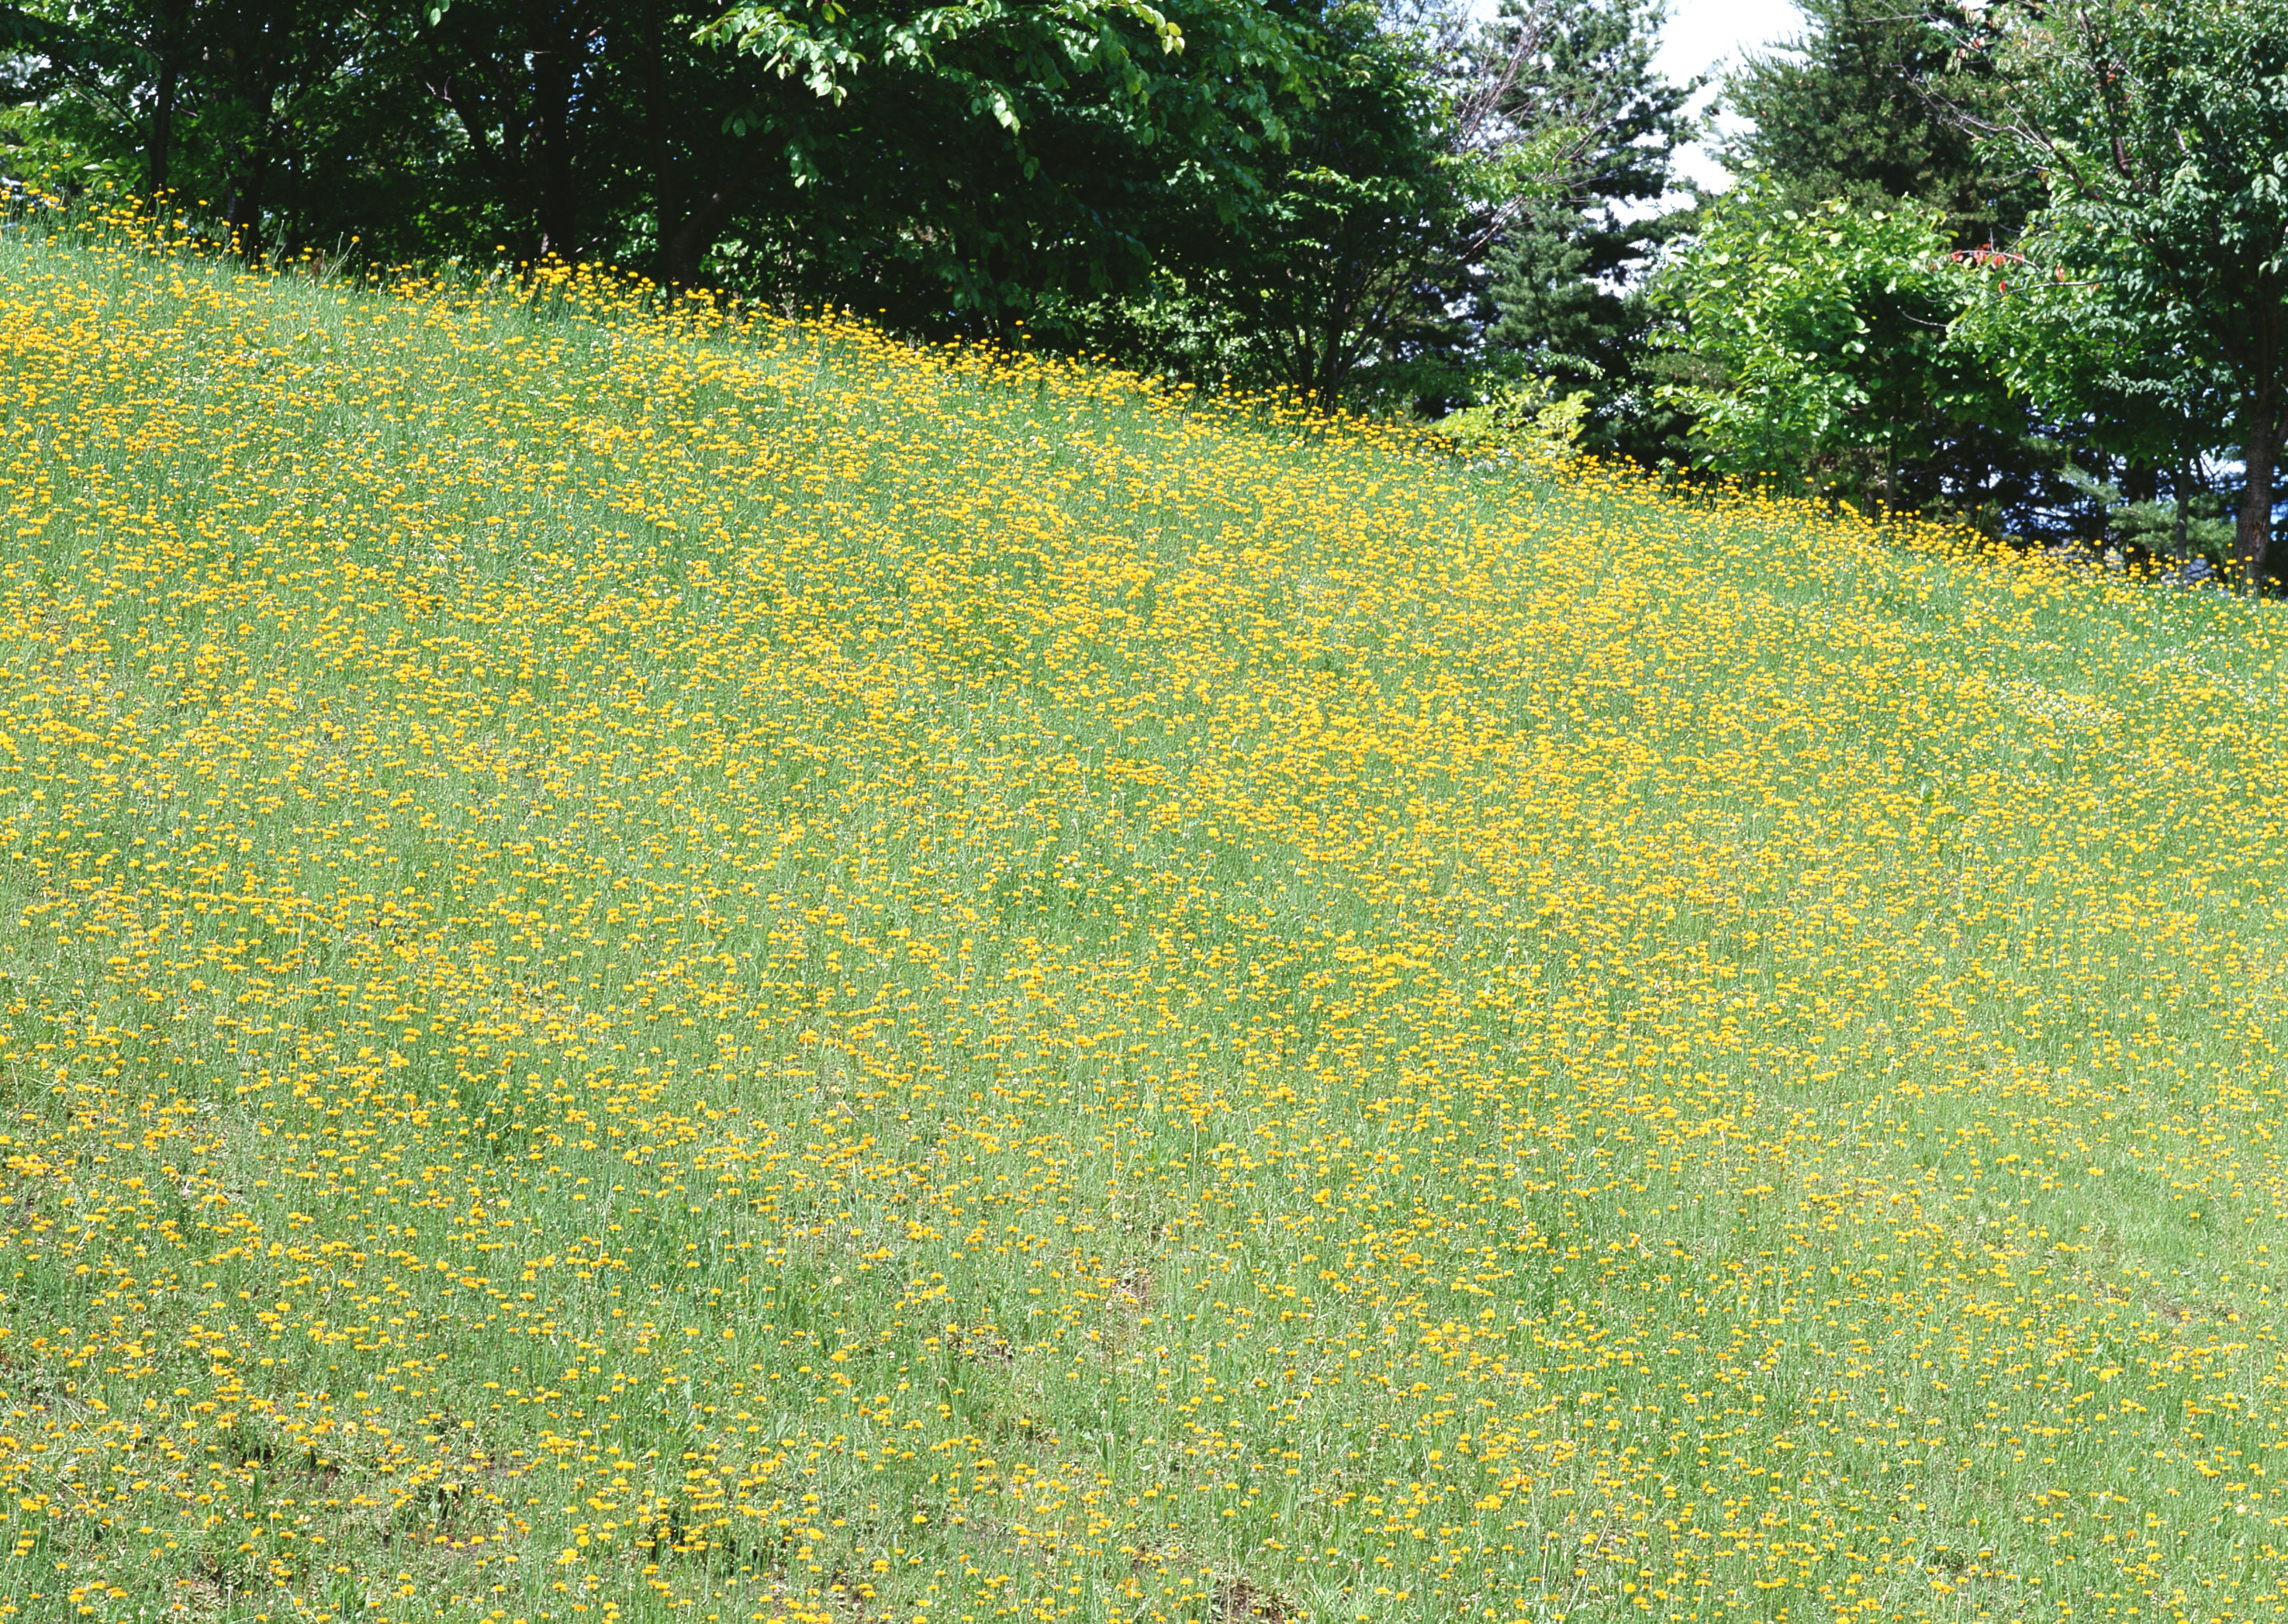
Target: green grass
{"points": [[654, 971]]}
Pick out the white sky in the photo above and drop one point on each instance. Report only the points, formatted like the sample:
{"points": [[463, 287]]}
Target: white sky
{"points": [[1707, 36]]}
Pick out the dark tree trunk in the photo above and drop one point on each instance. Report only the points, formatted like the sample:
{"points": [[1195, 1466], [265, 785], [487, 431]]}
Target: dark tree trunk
{"points": [[553, 33], [666, 197], [260, 63], [163, 126], [2260, 429], [680, 254], [292, 243], [167, 45], [1327, 368], [496, 163], [686, 226], [2255, 529], [2260, 457], [243, 216]]}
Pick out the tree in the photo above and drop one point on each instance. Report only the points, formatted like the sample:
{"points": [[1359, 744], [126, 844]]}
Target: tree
{"points": [[84, 52], [1331, 259], [1343, 263], [1826, 356], [2110, 379], [276, 122], [1314, 185], [1565, 303], [968, 157], [1861, 106], [947, 162], [2162, 133]]}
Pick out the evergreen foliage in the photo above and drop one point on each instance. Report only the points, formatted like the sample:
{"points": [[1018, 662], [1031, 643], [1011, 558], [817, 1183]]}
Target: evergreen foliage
{"points": [[1861, 105], [1564, 297]]}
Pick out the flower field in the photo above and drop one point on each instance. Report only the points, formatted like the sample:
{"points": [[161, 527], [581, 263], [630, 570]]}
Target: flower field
{"points": [[658, 971]]}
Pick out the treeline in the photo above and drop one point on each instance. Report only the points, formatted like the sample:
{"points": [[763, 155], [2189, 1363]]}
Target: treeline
{"points": [[2019, 261], [2016, 261], [1325, 198]]}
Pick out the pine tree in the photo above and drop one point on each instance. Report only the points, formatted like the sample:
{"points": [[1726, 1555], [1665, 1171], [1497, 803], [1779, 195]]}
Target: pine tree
{"points": [[1860, 106], [1564, 304]]}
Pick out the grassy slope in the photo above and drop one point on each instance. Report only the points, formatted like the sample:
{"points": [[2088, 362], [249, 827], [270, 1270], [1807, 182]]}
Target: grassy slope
{"points": [[658, 976]]}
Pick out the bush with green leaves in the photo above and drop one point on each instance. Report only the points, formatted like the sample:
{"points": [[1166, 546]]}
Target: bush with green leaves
{"points": [[1825, 359], [1528, 419]]}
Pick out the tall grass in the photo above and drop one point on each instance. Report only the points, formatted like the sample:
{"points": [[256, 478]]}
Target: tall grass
{"points": [[656, 969]]}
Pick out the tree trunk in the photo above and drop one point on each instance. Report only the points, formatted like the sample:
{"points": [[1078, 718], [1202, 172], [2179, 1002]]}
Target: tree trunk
{"points": [[243, 219], [291, 244], [257, 53], [680, 254], [2261, 428], [167, 45], [162, 128], [1327, 368], [553, 37], [666, 197], [2254, 532], [686, 226]]}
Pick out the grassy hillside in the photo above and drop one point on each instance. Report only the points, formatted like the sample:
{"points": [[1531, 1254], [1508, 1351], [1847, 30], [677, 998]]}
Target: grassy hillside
{"points": [[653, 974]]}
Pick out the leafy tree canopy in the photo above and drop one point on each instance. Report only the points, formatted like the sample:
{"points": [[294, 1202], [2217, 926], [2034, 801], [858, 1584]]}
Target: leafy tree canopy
{"points": [[1823, 351], [2162, 134]]}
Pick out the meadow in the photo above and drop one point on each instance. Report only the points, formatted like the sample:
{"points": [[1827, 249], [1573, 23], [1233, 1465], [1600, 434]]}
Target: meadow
{"points": [[657, 968]]}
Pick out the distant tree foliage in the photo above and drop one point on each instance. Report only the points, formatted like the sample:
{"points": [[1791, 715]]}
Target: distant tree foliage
{"points": [[1861, 104], [2031, 402], [976, 154], [1829, 362], [2162, 133], [1565, 300], [1331, 262], [1282, 192], [950, 161], [1351, 264]]}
